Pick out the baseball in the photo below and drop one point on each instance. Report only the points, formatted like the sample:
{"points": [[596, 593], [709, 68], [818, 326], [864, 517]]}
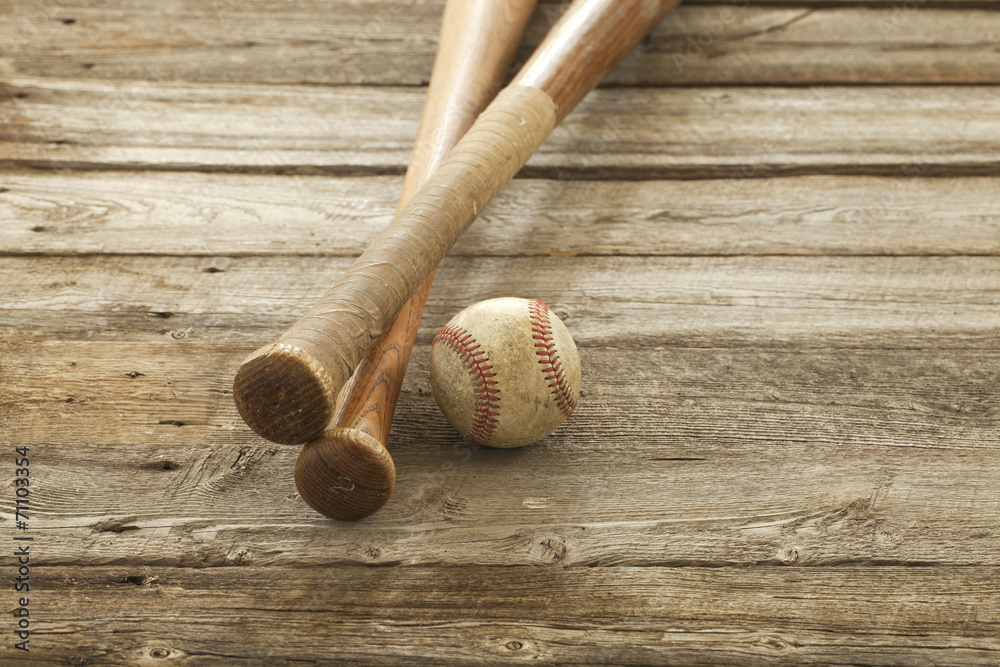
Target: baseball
{"points": [[505, 372]]}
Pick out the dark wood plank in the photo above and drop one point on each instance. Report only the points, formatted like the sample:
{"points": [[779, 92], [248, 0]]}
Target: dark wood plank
{"points": [[689, 456], [241, 214], [391, 42], [481, 615], [627, 133]]}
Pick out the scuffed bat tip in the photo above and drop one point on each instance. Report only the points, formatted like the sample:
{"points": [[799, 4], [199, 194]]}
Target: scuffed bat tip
{"points": [[284, 394], [345, 474]]}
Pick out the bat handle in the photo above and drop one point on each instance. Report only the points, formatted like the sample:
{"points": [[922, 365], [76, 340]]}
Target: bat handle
{"points": [[286, 392], [345, 474]]}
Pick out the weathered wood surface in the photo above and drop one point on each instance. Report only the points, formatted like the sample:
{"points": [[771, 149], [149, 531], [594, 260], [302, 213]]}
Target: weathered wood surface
{"points": [[632, 133], [839, 461], [106, 386], [391, 43], [849, 302], [707, 380], [787, 301], [178, 213], [485, 615]]}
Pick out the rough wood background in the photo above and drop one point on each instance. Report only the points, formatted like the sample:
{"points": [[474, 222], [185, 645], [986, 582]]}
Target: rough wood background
{"points": [[774, 233]]}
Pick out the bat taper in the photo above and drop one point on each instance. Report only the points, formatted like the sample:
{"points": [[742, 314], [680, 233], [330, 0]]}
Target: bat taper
{"points": [[286, 391]]}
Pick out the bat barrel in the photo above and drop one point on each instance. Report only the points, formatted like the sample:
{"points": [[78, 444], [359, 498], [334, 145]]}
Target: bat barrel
{"points": [[587, 42]]}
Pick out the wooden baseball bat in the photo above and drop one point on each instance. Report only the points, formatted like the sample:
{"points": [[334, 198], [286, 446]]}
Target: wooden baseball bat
{"points": [[286, 392], [347, 473]]}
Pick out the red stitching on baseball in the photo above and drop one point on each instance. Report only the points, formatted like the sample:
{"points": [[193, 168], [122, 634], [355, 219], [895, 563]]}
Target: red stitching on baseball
{"points": [[549, 358], [488, 407]]}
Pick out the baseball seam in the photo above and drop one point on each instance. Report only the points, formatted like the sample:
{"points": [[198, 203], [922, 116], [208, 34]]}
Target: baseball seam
{"points": [[548, 357], [488, 405]]}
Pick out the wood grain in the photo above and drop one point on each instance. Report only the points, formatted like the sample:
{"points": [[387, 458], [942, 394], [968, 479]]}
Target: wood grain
{"points": [[785, 292], [208, 215], [480, 615], [840, 458], [848, 302], [391, 43], [628, 133]]}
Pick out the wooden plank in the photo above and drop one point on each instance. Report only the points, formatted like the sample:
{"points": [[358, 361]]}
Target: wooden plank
{"points": [[392, 43], [479, 615], [627, 133], [953, 410], [824, 457], [850, 302], [739, 44], [240, 214]]}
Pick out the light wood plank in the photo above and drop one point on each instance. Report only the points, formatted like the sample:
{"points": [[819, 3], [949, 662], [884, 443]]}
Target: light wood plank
{"points": [[240, 214], [621, 133], [392, 43], [641, 302], [476, 615]]}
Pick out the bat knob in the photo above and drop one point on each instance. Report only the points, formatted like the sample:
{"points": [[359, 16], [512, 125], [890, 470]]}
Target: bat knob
{"points": [[284, 394], [345, 474]]}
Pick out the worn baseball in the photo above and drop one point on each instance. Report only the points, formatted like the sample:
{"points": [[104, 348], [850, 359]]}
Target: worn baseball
{"points": [[505, 372]]}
